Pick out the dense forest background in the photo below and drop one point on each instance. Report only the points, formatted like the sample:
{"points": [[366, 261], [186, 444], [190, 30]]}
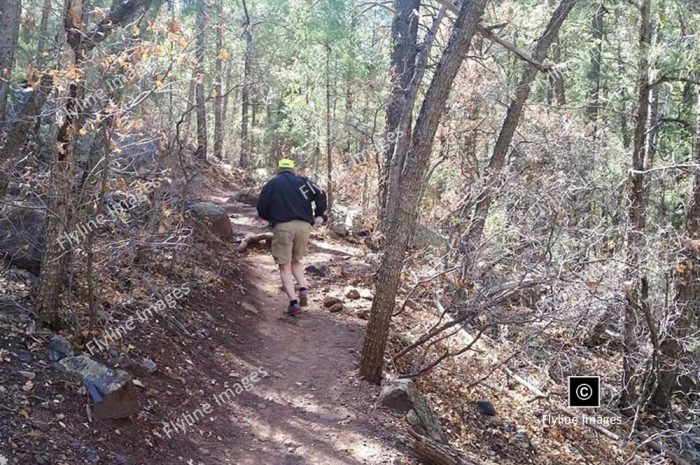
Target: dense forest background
{"points": [[519, 173]]}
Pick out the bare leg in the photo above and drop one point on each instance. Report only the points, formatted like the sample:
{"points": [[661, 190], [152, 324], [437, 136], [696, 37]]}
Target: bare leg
{"points": [[298, 271], [287, 280]]}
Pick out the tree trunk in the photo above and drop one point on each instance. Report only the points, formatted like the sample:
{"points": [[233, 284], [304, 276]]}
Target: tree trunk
{"points": [[227, 95], [634, 297], [41, 49], [61, 182], [218, 87], [244, 160], [623, 110], [402, 217], [594, 69], [556, 78], [349, 96], [329, 151], [505, 137], [404, 35], [402, 143], [200, 42], [43, 28], [10, 13]]}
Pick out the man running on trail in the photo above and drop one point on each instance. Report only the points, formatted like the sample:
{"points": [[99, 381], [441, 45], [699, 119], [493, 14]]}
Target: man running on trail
{"points": [[286, 202]]}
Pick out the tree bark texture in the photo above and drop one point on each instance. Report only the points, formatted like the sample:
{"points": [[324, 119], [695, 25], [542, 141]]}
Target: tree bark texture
{"points": [[402, 222]]}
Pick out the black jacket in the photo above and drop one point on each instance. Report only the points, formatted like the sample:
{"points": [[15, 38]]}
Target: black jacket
{"points": [[288, 197]]}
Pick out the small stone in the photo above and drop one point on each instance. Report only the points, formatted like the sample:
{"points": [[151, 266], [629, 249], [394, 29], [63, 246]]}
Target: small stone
{"points": [[329, 301], [485, 407], [363, 314], [59, 347], [27, 374], [92, 456], [353, 294], [316, 271], [523, 440], [294, 358], [123, 361], [339, 229], [335, 308], [40, 425], [28, 386], [25, 357], [366, 294], [149, 365]]}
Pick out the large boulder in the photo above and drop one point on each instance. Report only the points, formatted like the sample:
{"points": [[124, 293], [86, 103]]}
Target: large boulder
{"points": [[403, 396], [213, 217], [346, 221], [110, 390], [22, 238], [396, 396]]}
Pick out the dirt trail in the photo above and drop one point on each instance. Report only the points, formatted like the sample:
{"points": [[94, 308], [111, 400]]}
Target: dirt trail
{"points": [[312, 409]]}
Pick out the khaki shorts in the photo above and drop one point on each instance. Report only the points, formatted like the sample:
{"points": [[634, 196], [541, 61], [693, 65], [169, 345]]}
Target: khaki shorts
{"points": [[289, 241]]}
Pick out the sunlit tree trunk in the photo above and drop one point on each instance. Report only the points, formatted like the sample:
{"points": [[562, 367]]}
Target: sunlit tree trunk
{"points": [[200, 42], [595, 65], [244, 160], [43, 31], [329, 150], [404, 34], [218, 86], [402, 217], [227, 96]]}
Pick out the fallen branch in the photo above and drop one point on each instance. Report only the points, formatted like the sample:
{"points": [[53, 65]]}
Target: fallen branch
{"points": [[254, 239], [434, 453]]}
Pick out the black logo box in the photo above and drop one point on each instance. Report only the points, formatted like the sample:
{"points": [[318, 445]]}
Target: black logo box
{"points": [[584, 391]]}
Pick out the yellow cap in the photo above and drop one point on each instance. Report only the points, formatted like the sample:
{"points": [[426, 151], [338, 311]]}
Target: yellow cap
{"points": [[285, 163]]}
